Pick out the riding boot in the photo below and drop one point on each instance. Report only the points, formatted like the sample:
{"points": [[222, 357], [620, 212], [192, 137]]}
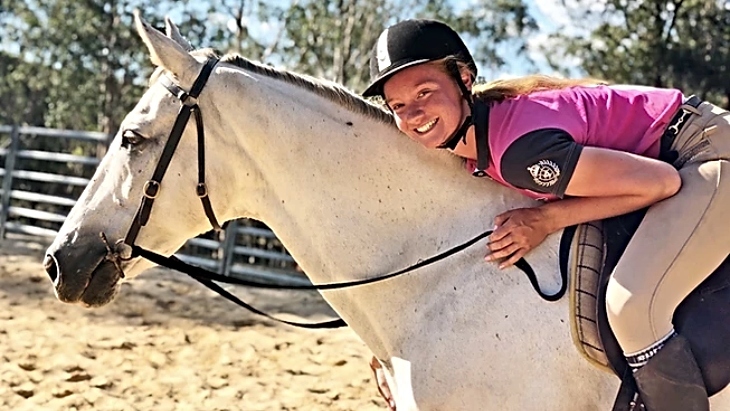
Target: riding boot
{"points": [[671, 379]]}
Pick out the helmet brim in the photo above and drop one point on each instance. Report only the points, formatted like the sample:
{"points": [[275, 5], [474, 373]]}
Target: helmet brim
{"points": [[376, 87]]}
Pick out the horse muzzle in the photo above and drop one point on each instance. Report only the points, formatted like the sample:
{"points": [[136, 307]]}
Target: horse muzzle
{"points": [[82, 273]]}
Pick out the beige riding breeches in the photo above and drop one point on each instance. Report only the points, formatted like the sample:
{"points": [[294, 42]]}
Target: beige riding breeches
{"points": [[681, 240]]}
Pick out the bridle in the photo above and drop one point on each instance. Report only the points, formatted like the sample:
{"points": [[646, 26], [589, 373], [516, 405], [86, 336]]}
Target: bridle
{"points": [[152, 188]]}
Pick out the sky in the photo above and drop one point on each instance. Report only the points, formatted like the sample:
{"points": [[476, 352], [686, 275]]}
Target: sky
{"points": [[551, 16]]}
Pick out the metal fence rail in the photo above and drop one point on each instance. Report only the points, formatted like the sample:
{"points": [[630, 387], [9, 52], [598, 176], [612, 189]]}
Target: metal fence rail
{"points": [[43, 173]]}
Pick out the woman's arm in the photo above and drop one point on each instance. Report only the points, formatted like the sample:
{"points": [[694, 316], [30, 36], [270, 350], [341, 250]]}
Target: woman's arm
{"points": [[608, 183], [605, 183], [601, 172]]}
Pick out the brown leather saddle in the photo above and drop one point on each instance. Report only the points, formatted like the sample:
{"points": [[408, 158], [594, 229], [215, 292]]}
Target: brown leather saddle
{"points": [[592, 252]]}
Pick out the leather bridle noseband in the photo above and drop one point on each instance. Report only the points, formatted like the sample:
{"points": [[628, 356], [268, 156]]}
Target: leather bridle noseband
{"points": [[152, 189]]}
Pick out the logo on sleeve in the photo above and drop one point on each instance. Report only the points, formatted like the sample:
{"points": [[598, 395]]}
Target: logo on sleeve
{"points": [[544, 173]]}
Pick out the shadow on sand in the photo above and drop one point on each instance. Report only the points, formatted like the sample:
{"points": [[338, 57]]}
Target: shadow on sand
{"points": [[152, 297]]}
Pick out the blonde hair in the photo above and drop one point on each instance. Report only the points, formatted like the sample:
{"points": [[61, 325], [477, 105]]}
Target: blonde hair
{"points": [[499, 90]]}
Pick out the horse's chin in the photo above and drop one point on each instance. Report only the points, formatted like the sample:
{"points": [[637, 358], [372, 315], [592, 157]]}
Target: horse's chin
{"points": [[103, 286]]}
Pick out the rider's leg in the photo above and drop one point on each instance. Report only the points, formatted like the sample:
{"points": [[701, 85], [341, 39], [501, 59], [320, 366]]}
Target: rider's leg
{"points": [[678, 244]]}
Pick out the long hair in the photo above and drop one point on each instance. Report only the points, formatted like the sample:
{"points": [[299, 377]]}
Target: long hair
{"points": [[499, 90]]}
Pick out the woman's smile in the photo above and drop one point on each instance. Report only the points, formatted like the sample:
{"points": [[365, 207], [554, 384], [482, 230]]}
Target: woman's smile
{"points": [[427, 127]]}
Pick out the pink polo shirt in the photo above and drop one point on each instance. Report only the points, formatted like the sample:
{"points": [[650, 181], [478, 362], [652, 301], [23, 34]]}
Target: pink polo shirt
{"points": [[625, 118]]}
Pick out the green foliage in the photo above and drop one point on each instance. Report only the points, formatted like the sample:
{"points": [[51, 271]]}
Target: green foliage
{"points": [[80, 64], [333, 38], [492, 23], [79, 59], [664, 43]]}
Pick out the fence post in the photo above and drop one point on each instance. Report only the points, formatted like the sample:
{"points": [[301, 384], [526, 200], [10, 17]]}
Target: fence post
{"points": [[229, 242], [102, 148], [8, 177]]}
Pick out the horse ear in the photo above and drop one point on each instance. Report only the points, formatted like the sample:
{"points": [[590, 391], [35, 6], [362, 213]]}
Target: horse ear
{"points": [[166, 52], [173, 33]]}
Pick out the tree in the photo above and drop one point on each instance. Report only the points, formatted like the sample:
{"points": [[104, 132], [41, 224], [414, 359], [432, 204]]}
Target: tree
{"points": [[22, 95], [65, 49], [663, 43], [80, 64], [702, 58], [81, 60]]}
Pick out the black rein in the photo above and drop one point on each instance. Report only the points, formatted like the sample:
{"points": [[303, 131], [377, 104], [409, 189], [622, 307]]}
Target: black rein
{"points": [[209, 278]]}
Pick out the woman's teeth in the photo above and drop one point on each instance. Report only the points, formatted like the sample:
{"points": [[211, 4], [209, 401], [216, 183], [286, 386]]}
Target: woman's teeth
{"points": [[428, 126]]}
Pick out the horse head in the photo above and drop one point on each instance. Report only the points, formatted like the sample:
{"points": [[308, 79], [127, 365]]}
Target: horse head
{"points": [[89, 256]]}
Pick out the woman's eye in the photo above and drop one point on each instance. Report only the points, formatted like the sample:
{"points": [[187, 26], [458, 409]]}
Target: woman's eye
{"points": [[130, 138], [424, 93]]}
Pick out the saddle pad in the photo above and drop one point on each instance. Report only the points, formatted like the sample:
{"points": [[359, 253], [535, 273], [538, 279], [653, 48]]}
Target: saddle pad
{"points": [[586, 258]]}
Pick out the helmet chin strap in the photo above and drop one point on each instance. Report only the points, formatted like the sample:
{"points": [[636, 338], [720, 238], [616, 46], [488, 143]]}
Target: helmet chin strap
{"points": [[479, 118], [460, 133]]}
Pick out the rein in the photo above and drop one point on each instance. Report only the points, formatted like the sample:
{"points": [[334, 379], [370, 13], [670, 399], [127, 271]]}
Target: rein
{"points": [[209, 278]]}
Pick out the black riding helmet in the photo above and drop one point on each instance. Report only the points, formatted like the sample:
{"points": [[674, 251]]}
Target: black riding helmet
{"points": [[412, 42]]}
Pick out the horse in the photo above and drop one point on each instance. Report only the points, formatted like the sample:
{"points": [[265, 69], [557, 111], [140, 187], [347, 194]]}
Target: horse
{"points": [[351, 198]]}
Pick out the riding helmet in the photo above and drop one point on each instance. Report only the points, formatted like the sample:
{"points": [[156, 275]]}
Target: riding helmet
{"points": [[412, 42]]}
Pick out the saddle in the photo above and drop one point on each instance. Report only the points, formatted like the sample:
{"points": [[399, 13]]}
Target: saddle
{"points": [[590, 251]]}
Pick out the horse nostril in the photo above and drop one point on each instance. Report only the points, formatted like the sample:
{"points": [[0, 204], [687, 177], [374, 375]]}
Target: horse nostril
{"points": [[49, 263]]}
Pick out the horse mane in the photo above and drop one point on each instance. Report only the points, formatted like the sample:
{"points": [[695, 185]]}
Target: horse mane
{"points": [[324, 88]]}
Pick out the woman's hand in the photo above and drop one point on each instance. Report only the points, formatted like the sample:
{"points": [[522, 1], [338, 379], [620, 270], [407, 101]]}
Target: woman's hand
{"points": [[517, 232]]}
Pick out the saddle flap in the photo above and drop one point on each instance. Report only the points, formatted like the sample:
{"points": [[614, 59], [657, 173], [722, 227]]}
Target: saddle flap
{"points": [[586, 256]]}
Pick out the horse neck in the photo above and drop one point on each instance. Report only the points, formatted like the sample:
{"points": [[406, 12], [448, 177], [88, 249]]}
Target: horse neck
{"points": [[340, 187]]}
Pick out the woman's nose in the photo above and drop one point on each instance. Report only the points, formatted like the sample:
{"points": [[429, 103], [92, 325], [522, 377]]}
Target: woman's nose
{"points": [[414, 114]]}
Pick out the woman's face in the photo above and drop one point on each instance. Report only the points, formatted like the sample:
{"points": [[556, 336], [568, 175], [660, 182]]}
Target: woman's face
{"points": [[427, 103]]}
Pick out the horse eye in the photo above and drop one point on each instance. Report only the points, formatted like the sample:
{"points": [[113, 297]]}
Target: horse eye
{"points": [[130, 138]]}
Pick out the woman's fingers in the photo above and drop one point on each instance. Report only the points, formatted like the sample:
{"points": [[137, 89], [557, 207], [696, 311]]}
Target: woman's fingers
{"points": [[497, 245], [513, 259], [503, 252], [500, 231], [516, 233]]}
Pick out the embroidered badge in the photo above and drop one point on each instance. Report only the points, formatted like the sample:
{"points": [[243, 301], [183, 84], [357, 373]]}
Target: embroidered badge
{"points": [[545, 173]]}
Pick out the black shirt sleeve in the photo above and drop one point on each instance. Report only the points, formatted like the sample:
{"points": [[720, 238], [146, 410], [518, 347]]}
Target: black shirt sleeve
{"points": [[542, 161]]}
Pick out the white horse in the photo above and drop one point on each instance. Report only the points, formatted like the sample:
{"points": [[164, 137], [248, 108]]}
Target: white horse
{"points": [[351, 198]]}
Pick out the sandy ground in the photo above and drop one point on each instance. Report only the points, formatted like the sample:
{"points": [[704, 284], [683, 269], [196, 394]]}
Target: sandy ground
{"points": [[168, 344]]}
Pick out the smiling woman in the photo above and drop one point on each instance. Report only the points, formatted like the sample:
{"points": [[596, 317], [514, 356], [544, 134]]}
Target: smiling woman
{"points": [[590, 151]]}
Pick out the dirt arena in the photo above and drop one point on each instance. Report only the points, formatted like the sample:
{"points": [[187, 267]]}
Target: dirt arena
{"points": [[166, 343]]}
